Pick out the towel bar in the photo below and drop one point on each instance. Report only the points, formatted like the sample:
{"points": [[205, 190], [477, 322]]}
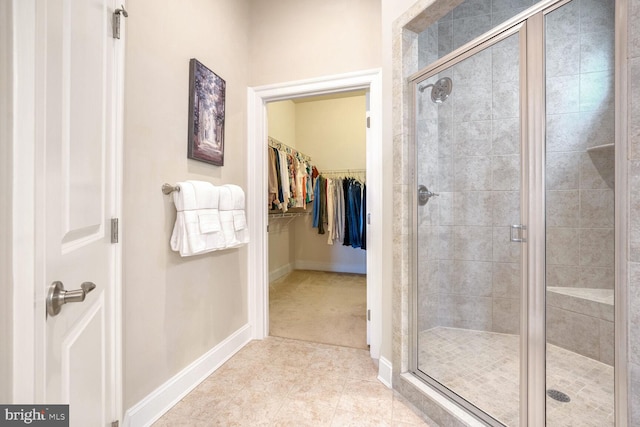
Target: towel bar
{"points": [[168, 189]]}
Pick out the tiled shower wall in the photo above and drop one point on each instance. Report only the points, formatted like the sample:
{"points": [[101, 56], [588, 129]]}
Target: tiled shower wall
{"points": [[469, 153], [580, 114], [405, 34], [579, 183], [473, 268]]}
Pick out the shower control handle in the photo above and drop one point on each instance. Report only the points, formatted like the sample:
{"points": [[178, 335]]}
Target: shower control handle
{"points": [[424, 195]]}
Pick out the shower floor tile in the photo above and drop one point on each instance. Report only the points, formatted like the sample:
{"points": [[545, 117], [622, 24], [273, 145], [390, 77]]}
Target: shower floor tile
{"points": [[483, 368]]}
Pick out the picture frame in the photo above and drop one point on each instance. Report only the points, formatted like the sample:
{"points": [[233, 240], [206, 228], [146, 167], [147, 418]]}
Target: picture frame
{"points": [[207, 93]]}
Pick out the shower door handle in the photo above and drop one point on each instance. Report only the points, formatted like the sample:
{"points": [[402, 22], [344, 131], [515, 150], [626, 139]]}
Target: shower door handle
{"points": [[517, 236]]}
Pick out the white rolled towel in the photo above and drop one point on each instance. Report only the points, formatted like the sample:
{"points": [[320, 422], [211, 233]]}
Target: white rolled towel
{"points": [[185, 197], [207, 195]]}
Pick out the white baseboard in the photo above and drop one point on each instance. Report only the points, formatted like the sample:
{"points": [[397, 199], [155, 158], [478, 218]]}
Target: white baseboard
{"points": [[280, 271], [152, 407], [359, 268], [385, 372]]}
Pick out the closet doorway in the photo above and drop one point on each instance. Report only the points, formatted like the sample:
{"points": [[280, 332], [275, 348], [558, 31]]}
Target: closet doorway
{"points": [[258, 270], [317, 218]]}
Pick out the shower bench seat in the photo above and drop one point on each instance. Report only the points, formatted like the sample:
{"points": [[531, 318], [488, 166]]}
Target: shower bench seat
{"points": [[581, 320]]}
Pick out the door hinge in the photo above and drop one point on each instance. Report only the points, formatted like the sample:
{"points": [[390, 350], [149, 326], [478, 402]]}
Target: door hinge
{"points": [[115, 232], [115, 424], [368, 122], [116, 21], [369, 315]]}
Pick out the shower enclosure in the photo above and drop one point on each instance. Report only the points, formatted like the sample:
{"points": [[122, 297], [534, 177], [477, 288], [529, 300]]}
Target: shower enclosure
{"points": [[513, 221]]}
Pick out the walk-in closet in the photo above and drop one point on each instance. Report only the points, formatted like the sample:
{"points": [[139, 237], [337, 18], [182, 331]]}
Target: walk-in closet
{"points": [[317, 219]]}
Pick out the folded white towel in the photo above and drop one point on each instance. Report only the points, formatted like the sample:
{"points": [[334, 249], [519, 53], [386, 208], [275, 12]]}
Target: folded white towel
{"points": [[209, 220], [238, 219], [197, 228], [188, 238]]}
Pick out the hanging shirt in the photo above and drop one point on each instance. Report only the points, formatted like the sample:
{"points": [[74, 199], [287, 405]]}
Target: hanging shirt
{"points": [[284, 181], [301, 189], [336, 210], [323, 204], [355, 204], [273, 177], [330, 211], [280, 198], [316, 205], [347, 215]]}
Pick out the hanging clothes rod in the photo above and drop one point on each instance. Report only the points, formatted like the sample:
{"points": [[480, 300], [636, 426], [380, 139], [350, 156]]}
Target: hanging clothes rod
{"points": [[284, 147], [288, 214], [344, 172], [168, 189]]}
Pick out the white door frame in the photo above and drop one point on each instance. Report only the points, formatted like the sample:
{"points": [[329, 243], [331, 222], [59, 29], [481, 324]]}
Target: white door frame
{"points": [[258, 266], [21, 199], [27, 261]]}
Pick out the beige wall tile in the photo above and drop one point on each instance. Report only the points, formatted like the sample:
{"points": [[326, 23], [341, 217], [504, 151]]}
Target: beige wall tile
{"points": [[596, 247], [562, 246], [506, 315], [573, 331]]}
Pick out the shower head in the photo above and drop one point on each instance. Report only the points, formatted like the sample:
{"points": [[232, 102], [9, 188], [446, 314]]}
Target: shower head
{"points": [[440, 90]]}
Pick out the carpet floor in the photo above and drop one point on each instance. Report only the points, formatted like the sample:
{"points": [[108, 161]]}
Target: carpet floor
{"points": [[321, 307]]}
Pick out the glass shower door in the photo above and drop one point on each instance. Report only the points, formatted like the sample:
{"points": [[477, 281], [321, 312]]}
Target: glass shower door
{"points": [[579, 184], [467, 253]]}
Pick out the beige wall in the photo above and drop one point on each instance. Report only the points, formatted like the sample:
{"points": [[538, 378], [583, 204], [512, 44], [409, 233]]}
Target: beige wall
{"points": [[333, 131], [281, 117], [298, 39], [176, 309], [246, 43]]}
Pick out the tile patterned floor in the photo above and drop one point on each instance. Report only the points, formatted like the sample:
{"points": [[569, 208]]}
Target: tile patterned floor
{"points": [[285, 382], [483, 367]]}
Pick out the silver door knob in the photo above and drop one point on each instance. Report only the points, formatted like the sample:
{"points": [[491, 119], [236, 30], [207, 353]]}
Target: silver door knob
{"points": [[57, 296], [424, 195]]}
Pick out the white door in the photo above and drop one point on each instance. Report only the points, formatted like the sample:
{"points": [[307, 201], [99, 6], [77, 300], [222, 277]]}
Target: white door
{"points": [[76, 101]]}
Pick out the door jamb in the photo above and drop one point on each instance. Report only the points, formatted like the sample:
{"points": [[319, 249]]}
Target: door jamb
{"points": [[23, 193], [258, 273]]}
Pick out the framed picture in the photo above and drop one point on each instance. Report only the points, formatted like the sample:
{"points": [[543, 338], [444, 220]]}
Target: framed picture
{"points": [[206, 114]]}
